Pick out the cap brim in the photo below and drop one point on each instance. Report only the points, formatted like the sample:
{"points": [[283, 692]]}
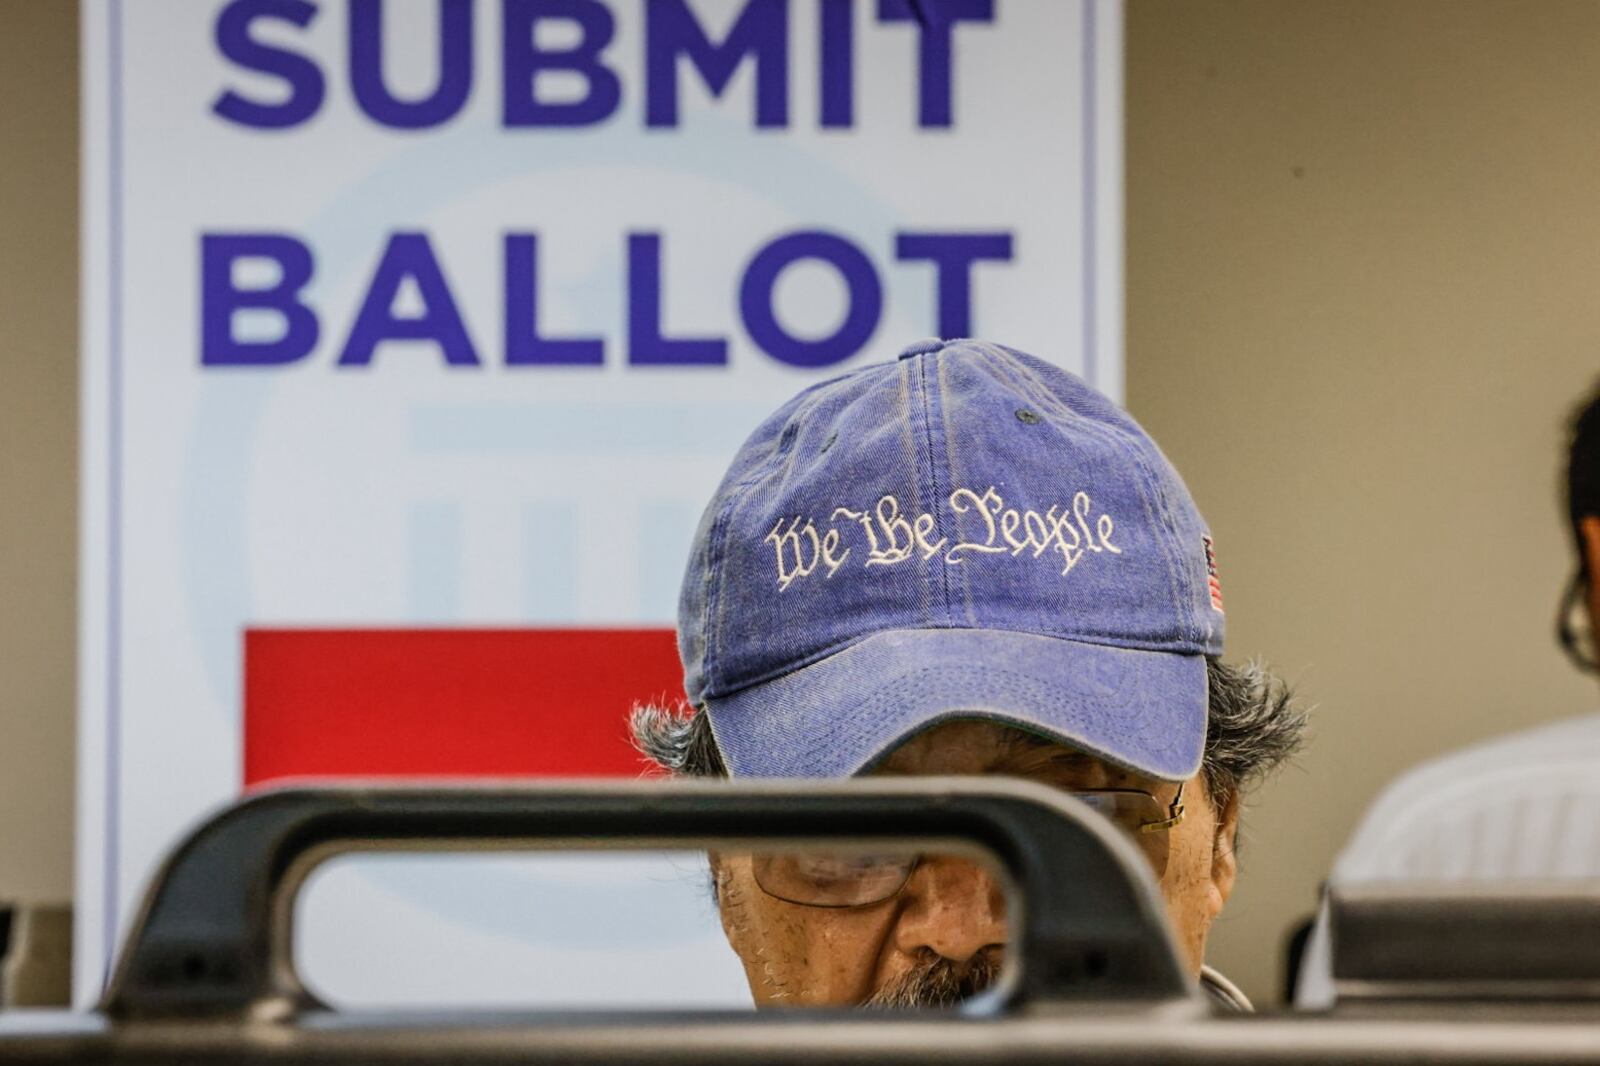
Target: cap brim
{"points": [[1143, 710]]}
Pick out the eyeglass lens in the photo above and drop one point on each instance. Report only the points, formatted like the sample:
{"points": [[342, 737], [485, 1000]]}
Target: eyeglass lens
{"points": [[833, 879], [847, 879]]}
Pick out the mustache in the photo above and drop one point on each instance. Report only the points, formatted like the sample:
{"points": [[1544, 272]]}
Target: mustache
{"points": [[938, 983]]}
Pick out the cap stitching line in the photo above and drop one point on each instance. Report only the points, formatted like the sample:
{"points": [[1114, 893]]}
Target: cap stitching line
{"points": [[1149, 486], [711, 612], [1038, 391], [1046, 694], [903, 394], [803, 405], [1151, 494], [933, 471], [845, 645], [1183, 573], [970, 615], [735, 495], [1015, 374], [811, 393], [1026, 380], [1032, 690], [1021, 377], [1178, 576]]}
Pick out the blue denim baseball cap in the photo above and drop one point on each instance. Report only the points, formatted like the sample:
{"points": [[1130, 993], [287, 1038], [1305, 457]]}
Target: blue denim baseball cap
{"points": [[965, 532]]}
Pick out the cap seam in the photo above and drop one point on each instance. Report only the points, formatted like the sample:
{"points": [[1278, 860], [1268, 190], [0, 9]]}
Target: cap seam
{"points": [[735, 496], [933, 472], [1177, 580], [845, 645], [909, 435], [1178, 583], [712, 611], [839, 732], [953, 464]]}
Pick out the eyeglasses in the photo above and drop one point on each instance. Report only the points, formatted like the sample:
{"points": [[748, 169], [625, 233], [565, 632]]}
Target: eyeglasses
{"points": [[847, 879], [1574, 629]]}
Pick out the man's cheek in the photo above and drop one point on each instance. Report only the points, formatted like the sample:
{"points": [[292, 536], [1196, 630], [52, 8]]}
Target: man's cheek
{"points": [[820, 964], [802, 956], [851, 950], [825, 957], [1184, 888], [783, 967], [744, 926]]}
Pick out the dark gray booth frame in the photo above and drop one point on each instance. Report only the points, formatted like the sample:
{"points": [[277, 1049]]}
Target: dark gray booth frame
{"points": [[206, 976]]}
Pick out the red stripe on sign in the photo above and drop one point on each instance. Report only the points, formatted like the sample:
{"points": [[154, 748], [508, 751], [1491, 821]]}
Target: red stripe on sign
{"points": [[449, 702]]}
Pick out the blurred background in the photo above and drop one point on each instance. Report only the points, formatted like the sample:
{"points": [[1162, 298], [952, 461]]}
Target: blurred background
{"points": [[1362, 240]]}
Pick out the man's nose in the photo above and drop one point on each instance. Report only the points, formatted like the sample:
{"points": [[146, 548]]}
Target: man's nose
{"points": [[953, 907]]}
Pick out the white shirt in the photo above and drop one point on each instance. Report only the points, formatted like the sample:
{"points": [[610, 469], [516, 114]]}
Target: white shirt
{"points": [[1515, 808]]}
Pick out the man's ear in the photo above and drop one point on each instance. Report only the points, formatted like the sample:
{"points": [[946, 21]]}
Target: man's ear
{"points": [[1224, 857], [1589, 535]]}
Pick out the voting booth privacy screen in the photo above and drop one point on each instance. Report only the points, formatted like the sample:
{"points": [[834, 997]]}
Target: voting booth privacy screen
{"points": [[416, 335]]}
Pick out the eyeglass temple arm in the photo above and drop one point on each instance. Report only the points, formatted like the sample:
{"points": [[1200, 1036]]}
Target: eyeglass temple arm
{"points": [[1174, 814]]}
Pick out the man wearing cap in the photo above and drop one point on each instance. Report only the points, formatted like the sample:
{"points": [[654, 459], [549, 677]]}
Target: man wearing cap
{"points": [[966, 561]]}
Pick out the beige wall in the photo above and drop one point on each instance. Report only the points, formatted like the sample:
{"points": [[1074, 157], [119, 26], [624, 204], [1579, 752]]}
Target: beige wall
{"points": [[1363, 244], [1363, 255], [38, 446]]}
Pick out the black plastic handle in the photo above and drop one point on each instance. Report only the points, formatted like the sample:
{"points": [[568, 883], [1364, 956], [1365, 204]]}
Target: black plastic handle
{"points": [[213, 935]]}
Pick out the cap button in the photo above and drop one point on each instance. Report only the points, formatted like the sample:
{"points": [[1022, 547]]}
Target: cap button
{"points": [[922, 347]]}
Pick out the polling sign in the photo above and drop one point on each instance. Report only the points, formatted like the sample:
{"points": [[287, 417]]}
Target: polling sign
{"points": [[416, 334]]}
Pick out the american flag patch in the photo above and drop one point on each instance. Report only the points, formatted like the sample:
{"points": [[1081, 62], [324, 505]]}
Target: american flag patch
{"points": [[1211, 576]]}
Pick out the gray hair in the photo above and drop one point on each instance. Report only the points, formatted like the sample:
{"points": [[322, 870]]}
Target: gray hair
{"points": [[1255, 725]]}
